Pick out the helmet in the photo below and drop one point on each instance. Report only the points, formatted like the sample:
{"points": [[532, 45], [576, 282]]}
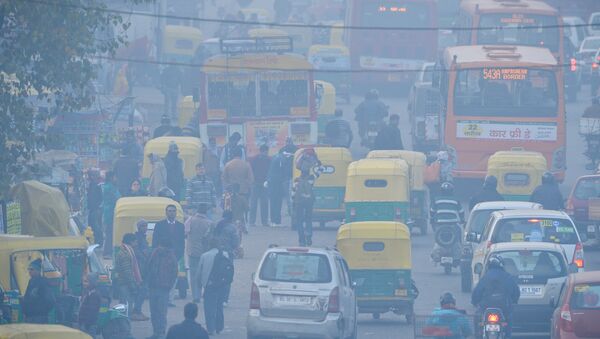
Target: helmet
{"points": [[372, 94], [547, 178], [447, 188], [447, 298], [490, 182], [496, 261]]}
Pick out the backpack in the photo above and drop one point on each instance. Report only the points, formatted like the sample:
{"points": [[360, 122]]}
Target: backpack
{"points": [[222, 270], [304, 189], [495, 296]]}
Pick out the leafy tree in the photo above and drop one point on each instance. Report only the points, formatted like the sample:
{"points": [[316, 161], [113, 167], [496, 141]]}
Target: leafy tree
{"points": [[47, 50]]}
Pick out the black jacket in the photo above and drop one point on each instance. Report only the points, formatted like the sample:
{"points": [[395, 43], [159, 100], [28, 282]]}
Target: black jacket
{"points": [[389, 138], [486, 194], [175, 179], [499, 282], [549, 196], [126, 170], [188, 329], [176, 233], [94, 197], [39, 298]]}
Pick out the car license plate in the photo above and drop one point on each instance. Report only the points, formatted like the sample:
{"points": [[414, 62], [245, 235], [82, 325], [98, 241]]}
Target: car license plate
{"points": [[447, 260], [591, 228], [532, 291], [294, 300], [492, 328]]}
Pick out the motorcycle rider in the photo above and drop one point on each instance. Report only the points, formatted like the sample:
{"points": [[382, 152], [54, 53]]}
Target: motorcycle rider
{"points": [[488, 192], [447, 193], [449, 318], [497, 289], [338, 132], [547, 194], [370, 109]]}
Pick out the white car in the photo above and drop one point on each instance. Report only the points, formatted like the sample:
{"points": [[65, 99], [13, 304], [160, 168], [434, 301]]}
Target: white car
{"points": [[529, 226], [540, 269], [478, 218], [302, 292]]}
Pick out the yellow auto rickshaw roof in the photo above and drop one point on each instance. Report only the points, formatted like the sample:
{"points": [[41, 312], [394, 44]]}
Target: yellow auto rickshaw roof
{"points": [[517, 158], [9, 242], [183, 32], [337, 49], [258, 62], [186, 145], [333, 153], [373, 230], [149, 208], [266, 32], [410, 157], [33, 331], [378, 167]]}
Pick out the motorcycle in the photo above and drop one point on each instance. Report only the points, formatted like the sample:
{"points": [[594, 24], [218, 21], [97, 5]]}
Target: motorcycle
{"points": [[373, 127], [447, 248], [493, 324]]}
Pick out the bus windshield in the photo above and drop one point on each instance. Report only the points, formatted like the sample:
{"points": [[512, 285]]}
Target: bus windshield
{"points": [[529, 30], [395, 14], [506, 92], [223, 88]]}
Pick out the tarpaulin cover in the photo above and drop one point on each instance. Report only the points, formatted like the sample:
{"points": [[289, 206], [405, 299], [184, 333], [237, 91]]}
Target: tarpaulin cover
{"points": [[44, 209]]}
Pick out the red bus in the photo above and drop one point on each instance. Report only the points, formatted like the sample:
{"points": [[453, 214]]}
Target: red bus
{"points": [[391, 48]]}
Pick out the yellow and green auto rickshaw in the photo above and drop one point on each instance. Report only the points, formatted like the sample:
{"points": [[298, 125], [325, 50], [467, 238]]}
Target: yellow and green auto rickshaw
{"points": [[190, 152], [518, 172], [34, 331], [180, 42], [129, 210], [66, 264], [330, 185], [377, 190], [418, 190], [187, 108], [379, 257], [326, 105], [331, 60]]}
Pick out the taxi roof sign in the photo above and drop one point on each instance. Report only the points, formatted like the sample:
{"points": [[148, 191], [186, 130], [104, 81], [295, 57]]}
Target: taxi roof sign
{"points": [[278, 44]]}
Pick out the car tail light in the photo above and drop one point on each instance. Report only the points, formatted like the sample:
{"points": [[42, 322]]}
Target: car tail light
{"points": [[493, 318], [595, 65], [566, 322], [578, 255], [254, 298], [352, 212], [573, 64], [334, 301]]}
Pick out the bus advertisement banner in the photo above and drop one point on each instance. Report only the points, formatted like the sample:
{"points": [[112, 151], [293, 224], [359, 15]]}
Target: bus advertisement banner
{"points": [[271, 133], [492, 130]]}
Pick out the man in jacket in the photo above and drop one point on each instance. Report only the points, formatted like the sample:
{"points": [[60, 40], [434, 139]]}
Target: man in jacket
{"points": [[548, 194], [389, 137], [238, 171], [338, 132], [171, 229], [162, 273], [174, 166], [303, 199], [227, 153], [488, 192], [158, 177], [200, 190], [260, 168], [39, 299], [189, 328], [370, 109], [127, 271], [197, 243]]}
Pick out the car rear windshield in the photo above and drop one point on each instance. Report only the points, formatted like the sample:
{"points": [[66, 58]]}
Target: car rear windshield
{"points": [[478, 220], [296, 267], [540, 264], [559, 231], [587, 188], [586, 296]]}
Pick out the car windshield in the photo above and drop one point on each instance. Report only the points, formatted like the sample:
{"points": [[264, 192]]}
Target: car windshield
{"points": [[478, 219], [540, 264], [587, 188], [590, 44], [559, 231], [296, 267], [505, 92], [586, 296]]}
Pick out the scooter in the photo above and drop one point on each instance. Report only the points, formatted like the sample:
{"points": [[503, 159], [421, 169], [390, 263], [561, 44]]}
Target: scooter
{"points": [[447, 248]]}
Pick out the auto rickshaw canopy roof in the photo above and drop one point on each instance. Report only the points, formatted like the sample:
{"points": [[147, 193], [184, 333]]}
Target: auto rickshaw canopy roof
{"points": [[373, 230], [190, 151], [518, 159], [149, 208], [373, 180], [416, 160], [335, 161], [256, 62], [34, 331], [367, 167]]}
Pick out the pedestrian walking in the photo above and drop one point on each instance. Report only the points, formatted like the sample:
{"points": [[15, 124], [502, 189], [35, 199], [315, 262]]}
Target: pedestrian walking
{"points": [[127, 272], [274, 185], [142, 254], [198, 239], [158, 177], [238, 205], [110, 195], [174, 166], [170, 228], [94, 204], [170, 80], [126, 170], [227, 154], [200, 190], [216, 275], [228, 236], [238, 171], [260, 168], [303, 199], [189, 328], [211, 156], [162, 274], [39, 299]]}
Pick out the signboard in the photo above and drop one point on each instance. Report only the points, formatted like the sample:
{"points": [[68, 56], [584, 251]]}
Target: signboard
{"points": [[270, 133], [505, 73], [491, 130], [13, 218]]}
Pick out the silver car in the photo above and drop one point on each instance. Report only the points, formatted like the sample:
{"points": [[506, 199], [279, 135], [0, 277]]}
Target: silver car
{"points": [[302, 292]]}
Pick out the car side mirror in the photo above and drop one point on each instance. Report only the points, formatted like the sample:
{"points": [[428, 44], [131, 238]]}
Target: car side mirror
{"points": [[573, 268], [478, 269], [472, 237]]}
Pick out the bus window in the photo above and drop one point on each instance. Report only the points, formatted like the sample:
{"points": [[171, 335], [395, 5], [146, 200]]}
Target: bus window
{"points": [[395, 14], [507, 92], [539, 31], [241, 87], [284, 94]]}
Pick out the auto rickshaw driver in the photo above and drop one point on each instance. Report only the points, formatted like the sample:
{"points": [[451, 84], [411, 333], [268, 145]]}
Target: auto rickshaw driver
{"points": [[39, 299]]}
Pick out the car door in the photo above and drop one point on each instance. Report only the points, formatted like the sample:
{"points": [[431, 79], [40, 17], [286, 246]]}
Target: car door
{"points": [[481, 248], [346, 294]]}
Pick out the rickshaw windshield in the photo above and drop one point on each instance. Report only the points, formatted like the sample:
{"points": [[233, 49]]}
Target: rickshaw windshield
{"points": [[296, 267], [70, 263]]}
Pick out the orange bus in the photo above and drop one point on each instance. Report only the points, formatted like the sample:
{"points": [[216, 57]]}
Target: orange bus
{"points": [[497, 98], [498, 22], [390, 49], [258, 88]]}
